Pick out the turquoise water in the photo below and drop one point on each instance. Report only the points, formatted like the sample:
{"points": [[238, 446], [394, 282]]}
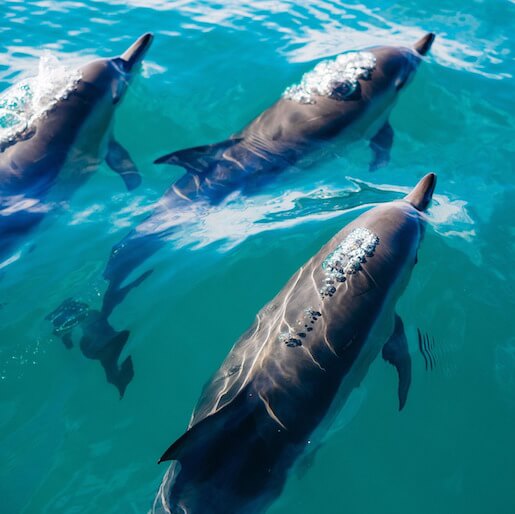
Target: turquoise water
{"points": [[69, 445]]}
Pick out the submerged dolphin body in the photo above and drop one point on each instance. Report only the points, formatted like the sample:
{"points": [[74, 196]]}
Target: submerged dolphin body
{"points": [[349, 96], [285, 380], [56, 152]]}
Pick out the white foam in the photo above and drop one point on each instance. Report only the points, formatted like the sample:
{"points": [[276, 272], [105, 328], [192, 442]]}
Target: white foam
{"points": [[25, 102], [333, 78]]}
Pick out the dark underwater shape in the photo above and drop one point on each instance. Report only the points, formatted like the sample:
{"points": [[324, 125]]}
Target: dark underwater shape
{"points": [[271, 401], [279, 137], [60, 149], [98, 341]]}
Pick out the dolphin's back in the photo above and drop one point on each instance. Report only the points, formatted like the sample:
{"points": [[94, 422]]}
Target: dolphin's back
{"points": [[303, 330]]}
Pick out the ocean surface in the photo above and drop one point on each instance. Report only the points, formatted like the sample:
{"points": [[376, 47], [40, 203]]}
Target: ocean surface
{"points": [[69, 445]]}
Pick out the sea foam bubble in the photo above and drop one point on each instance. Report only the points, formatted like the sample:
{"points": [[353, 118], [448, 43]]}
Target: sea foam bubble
{"points": [[22, 104], [347, 257], [335, 78]]}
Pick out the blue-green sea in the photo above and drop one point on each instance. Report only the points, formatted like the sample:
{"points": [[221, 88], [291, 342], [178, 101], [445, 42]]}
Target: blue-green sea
{"points": [[69, 445]]}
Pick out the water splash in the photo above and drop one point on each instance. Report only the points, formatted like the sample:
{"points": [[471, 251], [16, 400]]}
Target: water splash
{"points": [[22, 104], [336, 78]]}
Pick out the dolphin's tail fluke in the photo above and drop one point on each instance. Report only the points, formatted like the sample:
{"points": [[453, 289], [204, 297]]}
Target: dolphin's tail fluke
{"points": [[99, 340], [118, 375]]}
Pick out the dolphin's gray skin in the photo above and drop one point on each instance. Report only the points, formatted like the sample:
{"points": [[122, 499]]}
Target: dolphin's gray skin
{"points": [[58, 153], [279, 137], [287, 377]]}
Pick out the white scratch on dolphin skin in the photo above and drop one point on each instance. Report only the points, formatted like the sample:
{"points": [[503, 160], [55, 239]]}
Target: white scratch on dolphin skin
{"points": [[197, 181], [270, 411], [180, 195], [328, 344], [228, 382], [234, 161], [313, 359], [288, 296], [257, 358]]}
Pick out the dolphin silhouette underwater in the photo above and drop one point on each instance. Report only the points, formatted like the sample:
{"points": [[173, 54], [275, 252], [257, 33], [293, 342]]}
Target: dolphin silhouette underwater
{"points": [[285, 380], [349, 96], [50, 156]]}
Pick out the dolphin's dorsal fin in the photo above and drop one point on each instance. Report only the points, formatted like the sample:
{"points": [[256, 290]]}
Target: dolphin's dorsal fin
{"points": [[203, 439], [396, 352], [199, 158]]}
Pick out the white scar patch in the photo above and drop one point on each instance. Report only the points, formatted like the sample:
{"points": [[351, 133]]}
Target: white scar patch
{"points": [[347, 257], [335, 78], [22, 104]]}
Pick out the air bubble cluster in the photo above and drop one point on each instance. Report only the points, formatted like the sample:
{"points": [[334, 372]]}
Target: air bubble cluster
{"points": [[347, 258], [335, 78], [293, 338], [289, 340]]}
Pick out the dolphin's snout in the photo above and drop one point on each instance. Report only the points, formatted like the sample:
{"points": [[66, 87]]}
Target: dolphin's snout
{"points": [[422, 193], [423, 45], [136, 52]]}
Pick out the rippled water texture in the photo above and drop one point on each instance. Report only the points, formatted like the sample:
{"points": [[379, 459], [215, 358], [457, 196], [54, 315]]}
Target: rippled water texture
{"points": [[69, 445]]}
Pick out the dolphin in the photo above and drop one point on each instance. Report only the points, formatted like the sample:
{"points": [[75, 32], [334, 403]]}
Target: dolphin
{"points": [[350, 96], [283, 383], [58, 149], [72, 314]]}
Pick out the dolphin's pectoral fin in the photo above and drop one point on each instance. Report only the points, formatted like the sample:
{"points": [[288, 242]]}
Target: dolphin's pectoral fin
{"points": [[119, 160], [381, 145], [396, 352], [202, 445], [199, 158]]}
